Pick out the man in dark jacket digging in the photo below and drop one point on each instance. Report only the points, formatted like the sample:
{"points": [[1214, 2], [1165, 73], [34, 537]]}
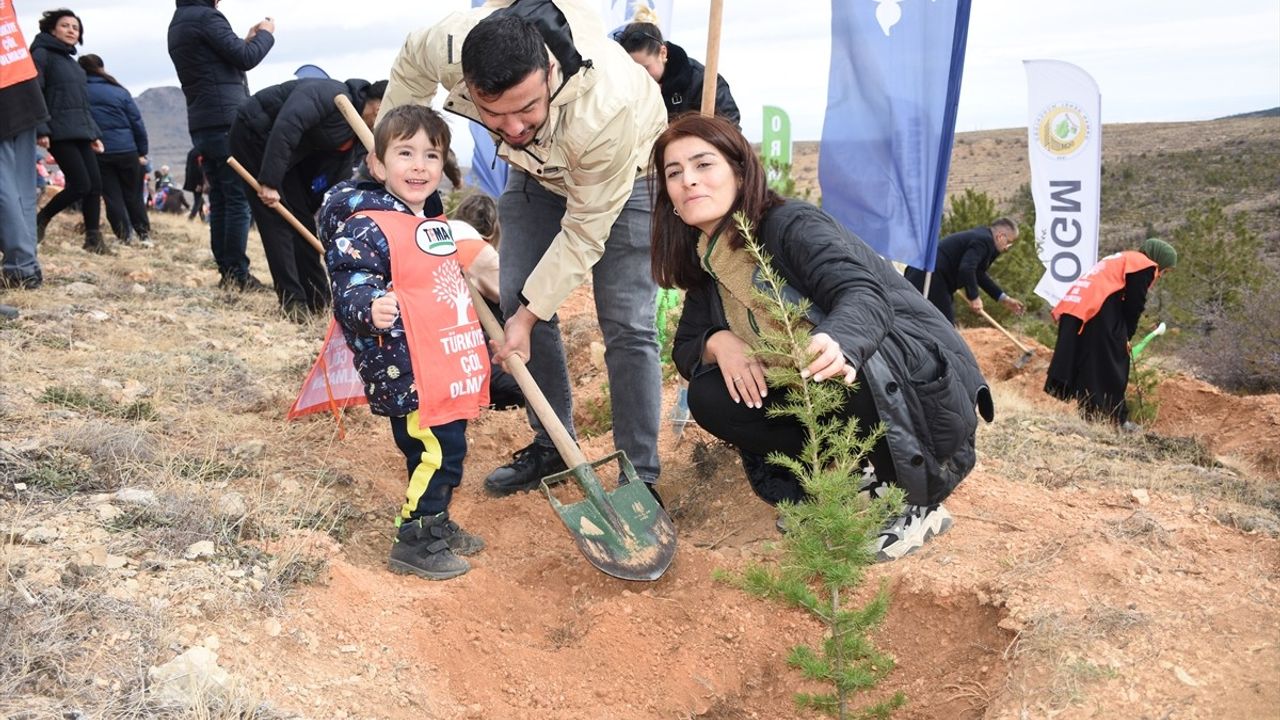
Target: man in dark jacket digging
{"points": [[963, 259], [297, 144], [211, 61]]}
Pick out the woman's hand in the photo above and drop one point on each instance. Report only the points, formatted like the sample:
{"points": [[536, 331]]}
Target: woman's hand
{"points": [[828, 360], [384, 311], [97, 147], [743, 374]]}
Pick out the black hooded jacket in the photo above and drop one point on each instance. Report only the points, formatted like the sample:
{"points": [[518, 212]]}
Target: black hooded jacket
{"points": [[65, 88], [211, 61], [296, 120], [682, 87]]}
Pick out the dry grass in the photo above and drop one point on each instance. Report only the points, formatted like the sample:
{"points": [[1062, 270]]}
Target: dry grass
{"points": [[177, 395], [1056, 450], [1064, 644]]}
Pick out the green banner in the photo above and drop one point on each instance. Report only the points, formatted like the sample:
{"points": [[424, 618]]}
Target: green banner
{"points": [[776, 145]]}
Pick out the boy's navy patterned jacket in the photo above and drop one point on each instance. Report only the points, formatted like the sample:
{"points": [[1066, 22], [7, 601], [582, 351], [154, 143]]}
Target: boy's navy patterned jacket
{"points": [[359, 263]]}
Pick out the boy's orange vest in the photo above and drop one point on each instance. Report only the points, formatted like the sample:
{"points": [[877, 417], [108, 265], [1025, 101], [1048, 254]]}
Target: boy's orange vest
{"points": [[16, 64], [1085, 296], [446, 344]]}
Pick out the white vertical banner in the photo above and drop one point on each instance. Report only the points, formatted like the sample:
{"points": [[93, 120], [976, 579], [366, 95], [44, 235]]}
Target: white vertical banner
{"points": [[1064, 146]]}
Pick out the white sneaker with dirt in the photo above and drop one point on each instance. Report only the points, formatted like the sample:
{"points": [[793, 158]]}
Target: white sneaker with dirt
{"points": [[917, 525], [870, 485]]}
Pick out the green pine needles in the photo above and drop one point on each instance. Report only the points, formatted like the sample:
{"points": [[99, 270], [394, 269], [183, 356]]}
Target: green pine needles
{"points": [[826, 550]]}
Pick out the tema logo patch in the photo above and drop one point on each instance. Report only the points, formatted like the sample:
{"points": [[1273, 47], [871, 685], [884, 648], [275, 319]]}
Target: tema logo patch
{"points": [[1062, 130], [434, 238]]}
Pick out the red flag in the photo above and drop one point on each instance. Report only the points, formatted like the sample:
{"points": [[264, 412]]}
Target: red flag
{"points": [[333, 382]]}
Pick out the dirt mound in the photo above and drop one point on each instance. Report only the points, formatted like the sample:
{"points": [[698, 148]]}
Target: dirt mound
{"points": [[1231, 425]]}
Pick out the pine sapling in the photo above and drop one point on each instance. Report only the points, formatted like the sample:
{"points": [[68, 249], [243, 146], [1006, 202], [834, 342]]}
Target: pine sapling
{"points": [[827, 546]]}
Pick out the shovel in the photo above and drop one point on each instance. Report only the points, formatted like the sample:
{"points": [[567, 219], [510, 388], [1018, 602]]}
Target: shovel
{"points": [[625, 532], [1026, 351], [1144, 342]]}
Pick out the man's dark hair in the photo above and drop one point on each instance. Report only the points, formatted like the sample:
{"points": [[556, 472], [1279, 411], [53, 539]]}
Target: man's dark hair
{"points": [[49, 21], [500, 52], [376, 90], [1006, 223]]}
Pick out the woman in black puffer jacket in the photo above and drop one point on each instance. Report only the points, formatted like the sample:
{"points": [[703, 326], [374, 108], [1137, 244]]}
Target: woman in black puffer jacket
{"points": [[71, 135], [914, 371], [679, 75]]}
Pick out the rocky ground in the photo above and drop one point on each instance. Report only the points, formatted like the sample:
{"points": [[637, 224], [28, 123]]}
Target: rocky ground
{"points": [[160, 522]]}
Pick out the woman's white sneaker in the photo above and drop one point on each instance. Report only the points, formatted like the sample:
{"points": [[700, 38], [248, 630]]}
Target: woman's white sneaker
{"points": [[917, 525]]}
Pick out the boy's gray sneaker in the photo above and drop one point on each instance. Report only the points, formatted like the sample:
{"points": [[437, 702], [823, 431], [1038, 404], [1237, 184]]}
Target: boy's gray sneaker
{"points": [[422, 548], [917, 525]]}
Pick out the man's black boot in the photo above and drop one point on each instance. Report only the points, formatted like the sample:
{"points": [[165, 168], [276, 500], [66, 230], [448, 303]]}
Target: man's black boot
{"points": [[526, 469]]}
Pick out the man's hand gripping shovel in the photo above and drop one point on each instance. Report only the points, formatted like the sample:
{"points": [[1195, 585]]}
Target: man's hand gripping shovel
{"points": [[624, 532]]}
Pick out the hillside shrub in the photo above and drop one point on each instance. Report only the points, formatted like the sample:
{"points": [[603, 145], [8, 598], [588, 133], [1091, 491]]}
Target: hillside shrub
{"points": [[1241, 350], [1219, 264]]}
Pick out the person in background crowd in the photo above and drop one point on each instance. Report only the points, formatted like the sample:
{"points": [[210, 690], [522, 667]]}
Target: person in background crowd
{"points": [[70, 134], [1097, 318], [24, 112], [194, 183], [679, 75], [124, 141], [963, 259], [914, 371], [296, 142], [211, 61]]}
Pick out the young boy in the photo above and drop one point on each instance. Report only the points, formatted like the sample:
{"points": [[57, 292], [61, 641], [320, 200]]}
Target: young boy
{"points": [[418, 347]]}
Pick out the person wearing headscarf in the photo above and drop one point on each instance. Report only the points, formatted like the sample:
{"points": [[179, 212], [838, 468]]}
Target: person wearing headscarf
{"points": [[1097, 318]]}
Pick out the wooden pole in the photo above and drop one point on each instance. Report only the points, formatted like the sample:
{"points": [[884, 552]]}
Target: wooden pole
{"points": [[279, 207], [564, 442], [711, 78], [355, 121]]}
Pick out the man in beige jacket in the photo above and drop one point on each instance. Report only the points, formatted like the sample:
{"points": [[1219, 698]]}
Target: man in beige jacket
{"points": [[575, 118]]}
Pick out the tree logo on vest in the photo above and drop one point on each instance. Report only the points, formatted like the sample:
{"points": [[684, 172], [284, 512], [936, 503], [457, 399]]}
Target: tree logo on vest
{"points": [[1062, 130], [433, 237]]}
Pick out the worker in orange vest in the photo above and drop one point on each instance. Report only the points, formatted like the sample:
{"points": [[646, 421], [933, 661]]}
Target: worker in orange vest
{"points": [[1097, 318]]}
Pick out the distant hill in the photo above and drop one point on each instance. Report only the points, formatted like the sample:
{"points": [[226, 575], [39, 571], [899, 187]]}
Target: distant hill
{"points": [[1273, 112], [164, 110]]}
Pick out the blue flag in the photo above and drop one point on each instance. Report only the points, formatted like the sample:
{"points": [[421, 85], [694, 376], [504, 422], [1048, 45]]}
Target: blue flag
{"points": [[488, 172], [891, 114]]}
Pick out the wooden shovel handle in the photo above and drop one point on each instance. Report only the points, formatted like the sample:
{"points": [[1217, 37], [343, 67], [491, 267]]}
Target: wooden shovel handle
{"points": [[569, 450], [355, 121], [1007, 334], [279, 207], [712, 65]]}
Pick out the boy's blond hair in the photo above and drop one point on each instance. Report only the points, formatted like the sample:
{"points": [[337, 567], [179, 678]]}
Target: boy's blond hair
{"points": [[404, 122]]}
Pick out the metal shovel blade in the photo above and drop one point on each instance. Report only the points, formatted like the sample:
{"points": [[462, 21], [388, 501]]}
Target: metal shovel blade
{"points": [[625, 533]]}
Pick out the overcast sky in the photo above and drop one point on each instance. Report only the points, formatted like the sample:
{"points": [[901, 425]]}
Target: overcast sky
{"points": [[1162, 60]]}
